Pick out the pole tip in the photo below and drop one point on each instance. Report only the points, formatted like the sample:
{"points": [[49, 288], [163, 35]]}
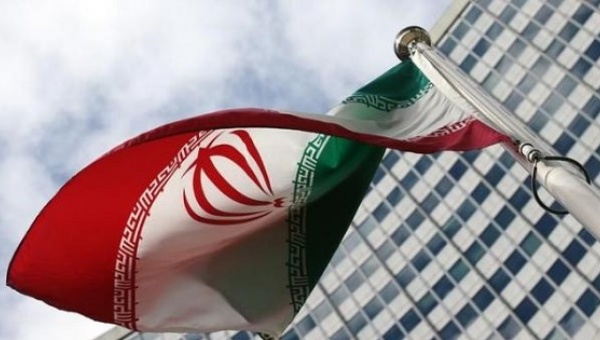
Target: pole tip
{"points": [[408, 35]]}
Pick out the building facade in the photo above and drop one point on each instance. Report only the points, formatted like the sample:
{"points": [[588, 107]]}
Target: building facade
{"points": [[453, 244]]}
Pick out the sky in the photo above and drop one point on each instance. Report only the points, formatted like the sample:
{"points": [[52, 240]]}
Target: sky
{"points": [[79, 77]]}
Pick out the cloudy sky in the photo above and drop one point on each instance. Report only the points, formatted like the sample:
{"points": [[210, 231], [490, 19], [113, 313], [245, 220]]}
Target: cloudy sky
{"points": [[79, 77]]}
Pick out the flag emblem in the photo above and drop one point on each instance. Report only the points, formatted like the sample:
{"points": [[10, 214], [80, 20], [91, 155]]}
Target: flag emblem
{"points": [[230, 169]]}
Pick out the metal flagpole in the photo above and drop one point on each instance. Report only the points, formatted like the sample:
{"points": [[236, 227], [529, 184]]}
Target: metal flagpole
{"points": [[569, 184]]}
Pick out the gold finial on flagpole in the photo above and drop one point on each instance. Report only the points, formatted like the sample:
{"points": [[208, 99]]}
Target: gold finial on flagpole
{"points": [[407, 36]]}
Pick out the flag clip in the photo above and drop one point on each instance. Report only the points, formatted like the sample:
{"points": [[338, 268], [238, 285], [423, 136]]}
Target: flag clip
{"points": [[534, 156]]}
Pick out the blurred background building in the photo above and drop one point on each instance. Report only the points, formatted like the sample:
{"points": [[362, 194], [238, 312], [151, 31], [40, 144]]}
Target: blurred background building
{"points": [[452, 244]]}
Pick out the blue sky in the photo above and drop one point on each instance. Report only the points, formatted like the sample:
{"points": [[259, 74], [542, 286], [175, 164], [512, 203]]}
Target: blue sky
{"points": [[79, 77]]}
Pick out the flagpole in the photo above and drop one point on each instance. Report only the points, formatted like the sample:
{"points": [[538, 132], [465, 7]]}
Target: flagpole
{"points": [[565, 183]]}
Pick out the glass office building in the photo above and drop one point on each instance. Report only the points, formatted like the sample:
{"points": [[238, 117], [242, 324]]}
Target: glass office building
{"points": [[453, 244]]}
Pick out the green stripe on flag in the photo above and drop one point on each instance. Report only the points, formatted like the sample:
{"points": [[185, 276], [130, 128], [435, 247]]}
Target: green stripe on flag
{"points": [[331, 181], [399, 87]]}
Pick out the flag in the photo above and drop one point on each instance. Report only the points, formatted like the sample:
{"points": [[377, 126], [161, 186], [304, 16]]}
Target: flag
{"points": [[227, 220]]}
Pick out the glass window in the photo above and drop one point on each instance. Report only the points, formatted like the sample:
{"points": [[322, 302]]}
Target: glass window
{"points": [[490, 82], [451, 227], [427, 303], [530, 243], [564, 143], [457, 170], [354, 281], [468, 64], [448, 46], [460, 30], [588, 302], [395, 196], [513, 101], [466, 315], [494, 175], [390, 159], [554, 49], [381, 211], [546, 224], [555, 3], [586, 237], [494, 31], [473, 14], [520, 197], [558, 272], [421, 260], [458, 270], [540, 67], [443, 186], [322, 311], [436, 244], [400, 235], [410, 320], [389, 292], [517, 48], [480, 193], [489, 235], [385, 250], [483, 298], [481, 47], [530, 31], [305, 325], [367, 226], [515, 262], [339, 295], [572, 322], [543, 14], [574, 252], [581, 67], [429, 203], [592, 107], [341, 334], [542, 291], [566, 86], [290, 335], [552, 104], [352, 240], [593, 51], [373, 307], [507, 14], [443, 287], [450, 331], [499, 280], [527, 83], [593, 167], [509, 328], [466, 210], [423, 165], [415, 219], [582, 14], [369, 266], [507, 159], [538, 121], [379, 173], [475, 252], [393, 333], [505, 217], [568, 31], [405, 276], [409, 180], [356, 323], [503, 65]]}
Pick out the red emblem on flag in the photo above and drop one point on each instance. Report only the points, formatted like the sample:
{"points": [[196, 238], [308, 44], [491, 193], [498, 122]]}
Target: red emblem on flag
{"points": [[242, 204]]}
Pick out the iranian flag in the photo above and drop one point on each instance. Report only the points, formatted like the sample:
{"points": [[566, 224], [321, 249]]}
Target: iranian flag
{"points": [[227, 220]]}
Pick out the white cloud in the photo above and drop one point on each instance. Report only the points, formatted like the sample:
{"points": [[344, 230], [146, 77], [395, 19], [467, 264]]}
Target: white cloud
{"points": [[78, 77]]}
